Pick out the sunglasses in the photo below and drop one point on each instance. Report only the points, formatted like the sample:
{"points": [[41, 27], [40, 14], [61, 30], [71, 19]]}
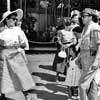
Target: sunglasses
{"points": [[83, 16], [14, 19]]}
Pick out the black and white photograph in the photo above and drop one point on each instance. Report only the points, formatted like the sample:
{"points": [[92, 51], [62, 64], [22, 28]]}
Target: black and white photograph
{"points": [[49, 49]]}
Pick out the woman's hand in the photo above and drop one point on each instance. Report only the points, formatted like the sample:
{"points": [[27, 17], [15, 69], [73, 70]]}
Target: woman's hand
{"points": [[23, 45], [95, 64], [94, 67]]}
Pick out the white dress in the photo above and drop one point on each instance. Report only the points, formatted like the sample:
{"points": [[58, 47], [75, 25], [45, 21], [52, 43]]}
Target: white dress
{"points": [[14, 74]]}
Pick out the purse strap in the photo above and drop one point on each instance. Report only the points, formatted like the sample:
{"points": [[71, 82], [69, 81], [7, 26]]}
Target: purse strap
{"points": [[63, 48]]}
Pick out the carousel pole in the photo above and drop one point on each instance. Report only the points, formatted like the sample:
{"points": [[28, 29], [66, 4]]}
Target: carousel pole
{"points": [[46, 17], [8, 5], [25, 9], [69, 8], [54, 13], [21, 4], [62, 9]]}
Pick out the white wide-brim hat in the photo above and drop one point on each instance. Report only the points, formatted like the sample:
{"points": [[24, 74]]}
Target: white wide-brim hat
{"points": [[19, 13]]}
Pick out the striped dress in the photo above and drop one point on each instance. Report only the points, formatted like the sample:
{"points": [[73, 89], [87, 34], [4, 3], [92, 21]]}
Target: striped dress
{"points": [[73, 74]]}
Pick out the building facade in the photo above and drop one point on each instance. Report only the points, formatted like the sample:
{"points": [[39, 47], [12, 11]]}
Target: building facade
{"points": [[46, 12]]}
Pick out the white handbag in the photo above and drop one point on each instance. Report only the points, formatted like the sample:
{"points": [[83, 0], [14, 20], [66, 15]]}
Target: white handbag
{"points": [[62, 53]]}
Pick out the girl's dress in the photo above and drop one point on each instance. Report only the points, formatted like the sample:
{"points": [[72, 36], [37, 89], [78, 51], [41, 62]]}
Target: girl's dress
{"points": [[73, 74], [14, 74]]}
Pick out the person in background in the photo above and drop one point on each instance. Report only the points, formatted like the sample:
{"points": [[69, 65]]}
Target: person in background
{"points": [[32, 29], [75, 12], [66, 38], [53, 33], [18, 25], [89, 57], [75, 18], [14, 74], [57, 59]]}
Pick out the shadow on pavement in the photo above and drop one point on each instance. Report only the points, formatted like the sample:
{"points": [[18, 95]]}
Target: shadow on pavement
{"points": [[50, 96], [56, 87], [47, 77], [58, 92], [48, 67], [6, 98], [45, 95]]}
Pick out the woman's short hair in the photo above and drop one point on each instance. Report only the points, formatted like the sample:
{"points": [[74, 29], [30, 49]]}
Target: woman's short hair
{"points": [[91, 12], [95, 18]]}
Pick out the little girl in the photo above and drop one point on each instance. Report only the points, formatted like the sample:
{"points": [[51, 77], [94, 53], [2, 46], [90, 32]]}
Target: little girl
{"points": [[73, 73]]}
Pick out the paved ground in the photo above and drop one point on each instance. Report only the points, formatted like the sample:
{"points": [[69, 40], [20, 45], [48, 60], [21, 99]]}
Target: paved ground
{"points": [[40, 66]]}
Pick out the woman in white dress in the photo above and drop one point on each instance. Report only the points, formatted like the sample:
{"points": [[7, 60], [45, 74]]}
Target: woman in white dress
{"points": [[14, 74]]}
